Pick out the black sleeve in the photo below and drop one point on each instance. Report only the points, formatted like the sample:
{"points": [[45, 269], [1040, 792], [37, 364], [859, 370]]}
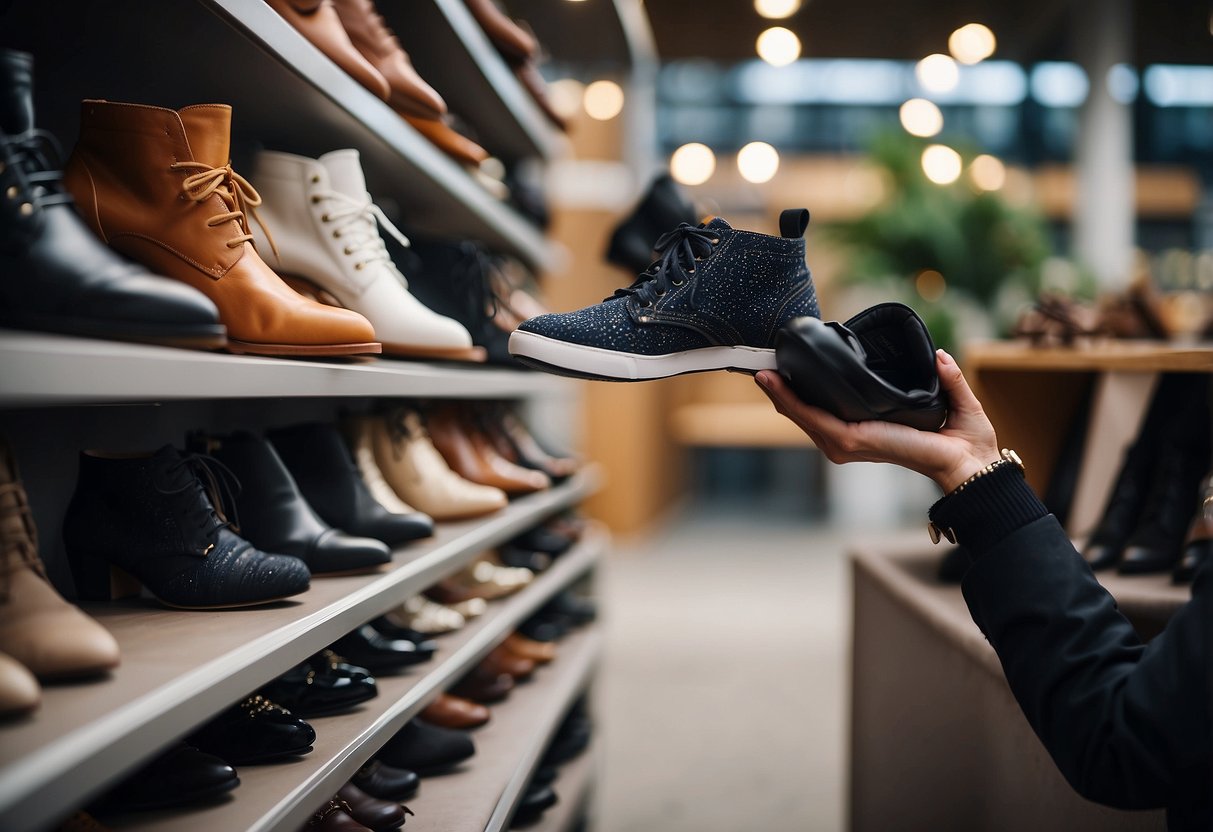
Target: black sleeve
{"points": [[1128, 724]]}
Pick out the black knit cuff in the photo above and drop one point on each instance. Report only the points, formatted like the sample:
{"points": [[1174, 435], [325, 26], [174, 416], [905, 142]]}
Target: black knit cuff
{"points": [[988, 509]]}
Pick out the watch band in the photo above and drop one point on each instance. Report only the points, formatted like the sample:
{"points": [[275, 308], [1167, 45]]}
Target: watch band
{"points": [[1006, 457]]}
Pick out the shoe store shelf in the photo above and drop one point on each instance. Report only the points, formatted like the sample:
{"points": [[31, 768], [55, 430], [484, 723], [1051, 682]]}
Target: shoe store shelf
{"points": [[613, 33], [574, 788], [453, 53], [484, 796], [180, 667], [46, 370], [283, 797], [1105, 356], [286, 95]]}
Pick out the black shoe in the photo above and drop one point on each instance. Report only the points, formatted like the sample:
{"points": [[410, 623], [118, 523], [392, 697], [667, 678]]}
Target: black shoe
{"points": [[153, 518], [323, 469], [714, 301], [275, 516], [180, 776], [535, 801], [337, 663], [1128, 498], [58, 276], [423, 643], [318, 688], [574, 607], [519, 557], [386, 782], [1174, 496], [254, 731], [427, 749], [366, 647], [543, 539], [546, 627], [572, 737], [663, 207], [455, 280], [879, 365]]}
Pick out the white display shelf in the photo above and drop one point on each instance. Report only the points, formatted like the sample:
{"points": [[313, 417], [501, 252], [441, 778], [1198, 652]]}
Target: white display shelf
{"points": [[39, 369], [282, 797], [452, 52], [180, 667], [286, 95]]}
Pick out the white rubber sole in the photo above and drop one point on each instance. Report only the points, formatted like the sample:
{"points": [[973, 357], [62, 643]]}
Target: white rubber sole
{"points": [[596, 362]]}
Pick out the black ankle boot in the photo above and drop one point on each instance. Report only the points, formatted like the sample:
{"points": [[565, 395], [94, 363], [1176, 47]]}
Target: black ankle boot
{"points": [[57, 276], [663, 207], [274, 514], [152, 518], [320, 462], [1183, 459]]}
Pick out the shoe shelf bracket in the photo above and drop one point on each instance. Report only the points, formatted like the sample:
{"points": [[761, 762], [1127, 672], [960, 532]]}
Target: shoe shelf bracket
{"points": [[179, 668], [51, 370], [286, 95], [280, 798], [484, 797], [451, 51]]}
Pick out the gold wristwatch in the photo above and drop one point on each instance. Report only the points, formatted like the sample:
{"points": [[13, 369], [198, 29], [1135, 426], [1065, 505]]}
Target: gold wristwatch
{"points": [[1006, 457]]}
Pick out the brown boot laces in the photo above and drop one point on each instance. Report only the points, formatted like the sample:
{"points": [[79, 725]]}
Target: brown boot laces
{"points": [[236, 192], [18, 540]]}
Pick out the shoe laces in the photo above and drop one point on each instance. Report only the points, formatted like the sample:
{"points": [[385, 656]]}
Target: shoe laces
{"points": [[355, 221], [36, 153], [18, 535], [235, 191], [680, 250], [207, 488], [471, 279]]}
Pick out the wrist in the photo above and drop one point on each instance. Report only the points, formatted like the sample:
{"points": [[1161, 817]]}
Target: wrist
{"points": [[964, 469]]}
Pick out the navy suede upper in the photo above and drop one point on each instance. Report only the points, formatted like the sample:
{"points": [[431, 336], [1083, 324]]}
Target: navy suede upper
{"points": [[738, 295]]}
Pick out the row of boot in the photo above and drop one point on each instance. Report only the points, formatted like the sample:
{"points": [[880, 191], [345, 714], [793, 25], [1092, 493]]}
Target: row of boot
{"points": [[1158, 515], [158, 187]]}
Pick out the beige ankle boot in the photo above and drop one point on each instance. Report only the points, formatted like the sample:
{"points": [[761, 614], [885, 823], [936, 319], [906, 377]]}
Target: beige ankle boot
{"points": [[52, 638], [420, 476]]}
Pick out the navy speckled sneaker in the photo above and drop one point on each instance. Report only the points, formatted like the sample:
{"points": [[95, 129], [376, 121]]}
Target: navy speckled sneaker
{"points": [[713, 301]]}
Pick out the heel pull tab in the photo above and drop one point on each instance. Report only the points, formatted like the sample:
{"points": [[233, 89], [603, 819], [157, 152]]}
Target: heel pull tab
{"points": [[793, 222]]}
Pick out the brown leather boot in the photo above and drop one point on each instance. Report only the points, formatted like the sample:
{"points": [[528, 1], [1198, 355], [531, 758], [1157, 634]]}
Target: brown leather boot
{"points": [[52, 638], [158, 186], [451, 142], [318, 21], [513, 41], [470, 454], [379, 45]]}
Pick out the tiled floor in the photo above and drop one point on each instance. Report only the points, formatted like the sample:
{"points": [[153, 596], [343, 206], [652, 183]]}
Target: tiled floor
{"points": [[723, 697]]}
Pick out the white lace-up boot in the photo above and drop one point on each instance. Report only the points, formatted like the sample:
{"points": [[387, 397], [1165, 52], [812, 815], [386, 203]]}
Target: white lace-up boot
{"points": [[327, 233]]}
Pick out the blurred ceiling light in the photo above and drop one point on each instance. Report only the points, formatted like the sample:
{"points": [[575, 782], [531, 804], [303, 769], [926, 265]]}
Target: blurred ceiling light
{"points": [[566, 95], [972, 43], [1123, 83], [930, 285], [603, 100], [757, 162], [1059, 84], [778, 46], [937, 73], [1179, 86], [693, 164], [941, 164], [921, 117], [776, 9], [988, 172]]}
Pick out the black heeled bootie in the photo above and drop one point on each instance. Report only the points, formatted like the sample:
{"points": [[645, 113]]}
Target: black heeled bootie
{"points": [[151, 518]]}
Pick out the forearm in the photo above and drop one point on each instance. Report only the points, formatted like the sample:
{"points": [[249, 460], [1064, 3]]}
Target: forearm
{"points": [[1120, 720]]}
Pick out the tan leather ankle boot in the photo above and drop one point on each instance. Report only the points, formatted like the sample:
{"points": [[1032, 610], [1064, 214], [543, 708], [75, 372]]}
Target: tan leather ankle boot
{"points": [[158, 186], [52, 638]]}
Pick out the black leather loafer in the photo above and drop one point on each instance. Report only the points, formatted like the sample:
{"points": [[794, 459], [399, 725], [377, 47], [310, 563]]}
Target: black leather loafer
{"points": [[386, 782], [366, 647], [880, 365], [424, 644], [254, 731], [427, 749], [179, 776], [317, 688]]}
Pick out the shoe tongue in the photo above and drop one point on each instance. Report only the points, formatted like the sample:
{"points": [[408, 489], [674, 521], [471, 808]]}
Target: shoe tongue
{"points": [[345, 173], [208, 129], [715, 223]]}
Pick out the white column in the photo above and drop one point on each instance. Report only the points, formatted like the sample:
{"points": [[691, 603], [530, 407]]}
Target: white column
{"points": [[1104, 210]]}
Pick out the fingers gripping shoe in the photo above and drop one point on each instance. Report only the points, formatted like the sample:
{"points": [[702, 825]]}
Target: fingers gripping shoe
{"points": [[714, 300], [878, 365]]}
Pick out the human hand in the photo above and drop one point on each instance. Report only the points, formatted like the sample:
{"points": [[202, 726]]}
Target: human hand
{"points": [[965, 445]]}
